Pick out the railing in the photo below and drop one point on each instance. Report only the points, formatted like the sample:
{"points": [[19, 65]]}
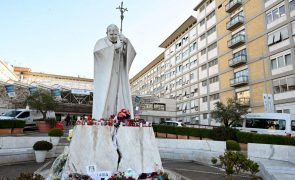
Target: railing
{"points": [[235, 22], [232, 5], [238, 60], [239, 81], [236, 41]]}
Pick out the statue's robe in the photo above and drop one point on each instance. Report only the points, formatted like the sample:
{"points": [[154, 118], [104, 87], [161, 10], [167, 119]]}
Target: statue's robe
{"points": [[111, 82]]}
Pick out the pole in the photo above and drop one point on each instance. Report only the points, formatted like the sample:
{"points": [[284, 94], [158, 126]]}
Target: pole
{"points": [[122, 10]]}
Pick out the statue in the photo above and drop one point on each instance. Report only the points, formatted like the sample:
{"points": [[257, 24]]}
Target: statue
{"points": [[113, 56]]}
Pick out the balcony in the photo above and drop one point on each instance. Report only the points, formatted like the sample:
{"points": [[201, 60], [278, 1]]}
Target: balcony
{"points": [[239, 81], [238, 60], [244, 101], [232, 5], [236, 41], [235, 22]]}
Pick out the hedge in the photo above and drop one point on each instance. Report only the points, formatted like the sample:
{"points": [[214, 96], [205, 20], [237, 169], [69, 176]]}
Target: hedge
{"points": [[19, 124], [245, 137], [186, 131], [12, 124], [224, 134]]}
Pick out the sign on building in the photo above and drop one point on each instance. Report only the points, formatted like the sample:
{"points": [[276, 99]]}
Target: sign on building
{"points": [[268, 103], [56, 93], [80, 91], [32, 89], [10, 90], [137, 99]]}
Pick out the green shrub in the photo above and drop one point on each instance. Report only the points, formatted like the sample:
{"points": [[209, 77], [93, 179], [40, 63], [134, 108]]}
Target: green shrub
{"points": [[245, 137], [6, 124], [12, 124], [214, 160], [19, 124], [236, 162], [186, 131], [232, 145], [56, 132], [205, 133], [224, 133], [42, 146], [182, 130]]}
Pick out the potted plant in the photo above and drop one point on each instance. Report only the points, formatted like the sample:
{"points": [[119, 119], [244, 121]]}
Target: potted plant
{"points": [[41, 148], [55, 135], [44, 102]]}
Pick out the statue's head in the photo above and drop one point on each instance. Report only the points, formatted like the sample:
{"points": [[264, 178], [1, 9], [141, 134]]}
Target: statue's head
{"points": [[112, 33]]}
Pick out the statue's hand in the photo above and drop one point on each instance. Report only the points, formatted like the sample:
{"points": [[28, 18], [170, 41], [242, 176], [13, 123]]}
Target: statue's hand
{"points": [[122, 38], [118, 45]]}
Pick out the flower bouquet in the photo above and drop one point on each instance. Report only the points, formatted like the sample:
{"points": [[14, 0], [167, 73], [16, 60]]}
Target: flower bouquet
{"points": [[123, 116]]}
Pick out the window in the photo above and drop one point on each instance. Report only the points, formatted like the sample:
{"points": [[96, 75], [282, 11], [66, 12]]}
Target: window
{"points": [[287, 111], [204, 83], [209, 2], [211, 31], [242, 32], [202, 8], [281, 61], [212, 46], [24, 114], [214, 97], [203, 52], [204, 99], [204, 67], [193, 46], [212, 14], [292, 5], [184, 39], [178, 69], [213, 62], [243, 73], [193, 62], [191, 76], [277, 36], [276, 124], [202, 22], [213, 79], [275, 14], [284, 84], [243, 95], [240, 53], [293, 125], [202, 37], [205, 115]]}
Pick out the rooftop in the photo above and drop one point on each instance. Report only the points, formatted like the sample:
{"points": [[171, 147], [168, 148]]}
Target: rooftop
{"points": [[179, 31]]}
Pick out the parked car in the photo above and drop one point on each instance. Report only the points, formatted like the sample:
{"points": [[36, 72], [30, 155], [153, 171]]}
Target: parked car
{"points": [[28, 115], [172, 123]]}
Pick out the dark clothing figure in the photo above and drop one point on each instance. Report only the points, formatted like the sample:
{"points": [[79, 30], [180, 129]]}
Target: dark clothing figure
{"points": [[68, 120]]}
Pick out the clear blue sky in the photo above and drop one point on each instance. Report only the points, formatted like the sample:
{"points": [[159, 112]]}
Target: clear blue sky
{"points": [[57, 36]]}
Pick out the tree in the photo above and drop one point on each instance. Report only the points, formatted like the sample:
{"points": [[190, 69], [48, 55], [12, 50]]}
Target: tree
{"points": [[230, 113], [43, 101]]}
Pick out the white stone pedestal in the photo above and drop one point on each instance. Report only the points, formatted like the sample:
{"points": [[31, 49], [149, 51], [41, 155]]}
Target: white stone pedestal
{"points": [[93, 146]]}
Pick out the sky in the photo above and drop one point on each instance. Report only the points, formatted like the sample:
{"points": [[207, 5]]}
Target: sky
{"points": [[58, 36]]}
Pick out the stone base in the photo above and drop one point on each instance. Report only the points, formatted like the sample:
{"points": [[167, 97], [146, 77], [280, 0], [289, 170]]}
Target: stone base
{"points": [[93, 146]]}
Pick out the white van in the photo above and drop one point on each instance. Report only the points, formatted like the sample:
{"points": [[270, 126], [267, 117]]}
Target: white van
{"points": [[269, 123], [172, 123], [28, 115]]}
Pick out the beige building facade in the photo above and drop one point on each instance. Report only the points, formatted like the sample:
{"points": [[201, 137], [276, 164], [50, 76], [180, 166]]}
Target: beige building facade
{"points": [[241, 49]]}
